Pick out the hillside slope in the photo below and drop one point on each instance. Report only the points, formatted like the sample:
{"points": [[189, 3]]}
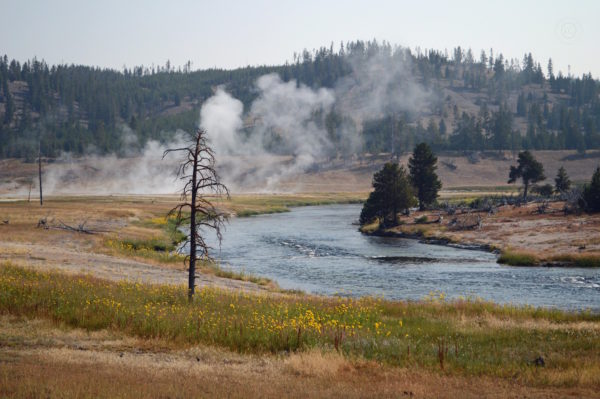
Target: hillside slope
{"points": [[388, 97]]}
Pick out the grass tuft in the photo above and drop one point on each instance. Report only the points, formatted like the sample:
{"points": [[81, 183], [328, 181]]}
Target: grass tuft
{"points": [[518, 258], [579, 260]]}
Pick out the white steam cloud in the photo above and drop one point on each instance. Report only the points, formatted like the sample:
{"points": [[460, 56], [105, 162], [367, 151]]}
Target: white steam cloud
{"points": [[221, 115], [381, 84], [282, 134], [280, 121], [147, 173]]}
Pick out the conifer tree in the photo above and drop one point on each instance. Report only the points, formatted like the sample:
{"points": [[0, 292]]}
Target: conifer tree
{"points": [[422, 166], [562, 183], [591, 193], [528, 169], [392, 194]]}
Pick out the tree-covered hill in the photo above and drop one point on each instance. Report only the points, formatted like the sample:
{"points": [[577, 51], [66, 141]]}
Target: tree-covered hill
{"points": [[461, 101]]}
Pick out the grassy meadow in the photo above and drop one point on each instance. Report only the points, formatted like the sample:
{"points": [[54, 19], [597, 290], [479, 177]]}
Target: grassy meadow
{"points": [[325, 346], [467, 337]]}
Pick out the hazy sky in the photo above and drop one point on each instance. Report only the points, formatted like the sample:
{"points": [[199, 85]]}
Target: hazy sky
{"points": [[229, 34]]}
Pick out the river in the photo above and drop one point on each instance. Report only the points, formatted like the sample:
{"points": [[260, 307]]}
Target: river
{"points": [[319, 250]]}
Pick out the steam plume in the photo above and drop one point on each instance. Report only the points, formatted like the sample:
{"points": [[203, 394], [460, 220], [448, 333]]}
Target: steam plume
{"points": [[283, 134]]}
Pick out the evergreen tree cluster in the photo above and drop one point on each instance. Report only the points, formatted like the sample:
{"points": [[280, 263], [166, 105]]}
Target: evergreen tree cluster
{"points": [[395, 190]]}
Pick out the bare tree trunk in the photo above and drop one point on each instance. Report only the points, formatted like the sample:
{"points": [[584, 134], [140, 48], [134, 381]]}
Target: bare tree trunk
{"points": [[40, 172], [193, 229]]}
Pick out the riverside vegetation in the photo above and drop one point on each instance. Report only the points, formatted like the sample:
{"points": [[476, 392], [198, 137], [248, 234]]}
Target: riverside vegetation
{"points": [[462, 337], [387, 212], [433, 339]]}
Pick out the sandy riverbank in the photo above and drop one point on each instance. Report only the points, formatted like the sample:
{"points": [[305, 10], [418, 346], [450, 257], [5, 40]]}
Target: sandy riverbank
{"points": [[551, 238]]}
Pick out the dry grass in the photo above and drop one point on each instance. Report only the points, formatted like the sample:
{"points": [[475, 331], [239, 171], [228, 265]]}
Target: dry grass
{"points": [[37, 363], [499, 341], [316, 363], [133, 229], [39, 360], [525, 236]]}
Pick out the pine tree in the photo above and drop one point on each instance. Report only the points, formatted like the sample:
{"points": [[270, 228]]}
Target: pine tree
{"points": [[528, 169], [392, 193], [422, 166], [521, 105], [562, 183], [550, 70], [501, 126], [443, 128], [591, 193]]}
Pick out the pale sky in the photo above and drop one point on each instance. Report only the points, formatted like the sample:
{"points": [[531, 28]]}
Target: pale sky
{"points": [[229, 34]]}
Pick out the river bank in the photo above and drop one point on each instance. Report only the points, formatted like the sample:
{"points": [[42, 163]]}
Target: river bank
{"points": [[523, 236], [130, 235]]}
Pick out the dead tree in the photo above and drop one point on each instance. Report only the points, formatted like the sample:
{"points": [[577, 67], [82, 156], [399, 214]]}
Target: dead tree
{"points": [[30, 188], [40, 171], [201, 179]]}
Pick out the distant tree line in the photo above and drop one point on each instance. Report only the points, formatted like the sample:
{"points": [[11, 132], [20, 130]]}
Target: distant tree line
{"points": [[520, 106]]}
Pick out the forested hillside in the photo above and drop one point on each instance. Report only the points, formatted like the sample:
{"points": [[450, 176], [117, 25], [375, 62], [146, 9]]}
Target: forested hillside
{"points": [[467, 102]]}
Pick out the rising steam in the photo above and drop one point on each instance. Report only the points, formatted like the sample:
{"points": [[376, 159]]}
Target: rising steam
{"points": [[280, 121], [282, 134]]}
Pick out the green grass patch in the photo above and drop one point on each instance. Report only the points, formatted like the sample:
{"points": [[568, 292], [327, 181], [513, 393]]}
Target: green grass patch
{"points": [[253, 212], [579, 260], [465, 336], [521, 258], [153, 248], [161, 247], [152, 244], [215, 269], [516, 258], [168, 226]]}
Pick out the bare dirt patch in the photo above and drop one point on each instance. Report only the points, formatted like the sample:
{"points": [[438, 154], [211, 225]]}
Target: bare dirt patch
{"points": [[483, 169], [23, 243], [520, 228]]}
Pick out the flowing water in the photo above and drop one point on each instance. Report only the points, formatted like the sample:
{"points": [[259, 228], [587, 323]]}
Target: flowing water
{"points": [[319, 250]]}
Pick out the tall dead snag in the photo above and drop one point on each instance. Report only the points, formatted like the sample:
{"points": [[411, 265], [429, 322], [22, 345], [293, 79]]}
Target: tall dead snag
{"points": [[40, 172], [201, 183]]}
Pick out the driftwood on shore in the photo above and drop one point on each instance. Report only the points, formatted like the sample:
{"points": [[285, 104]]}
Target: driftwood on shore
{"points": [[60, 225]]}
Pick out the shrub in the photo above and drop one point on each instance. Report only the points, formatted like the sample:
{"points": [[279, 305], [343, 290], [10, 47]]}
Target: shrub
{"points": [[545, 190], [422, 219]]}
